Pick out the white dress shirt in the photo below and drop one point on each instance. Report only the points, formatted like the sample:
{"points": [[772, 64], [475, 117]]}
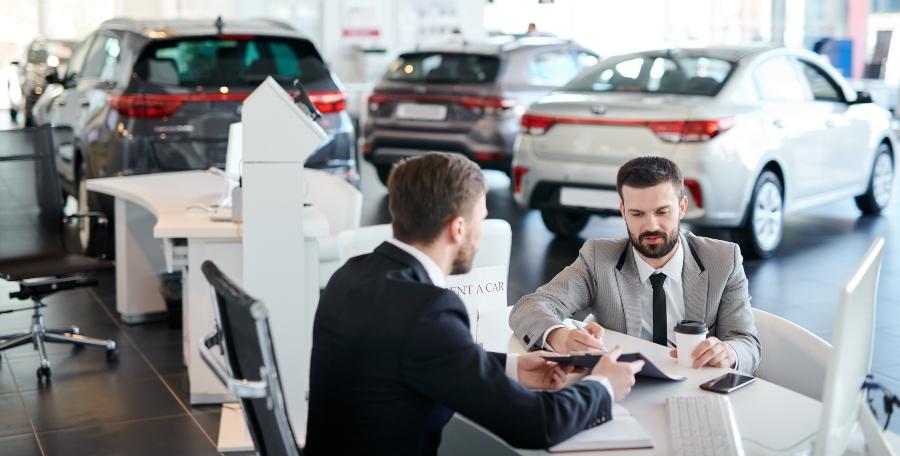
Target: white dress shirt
{"points": [[439, 279], [674, 295], [671, 287]]}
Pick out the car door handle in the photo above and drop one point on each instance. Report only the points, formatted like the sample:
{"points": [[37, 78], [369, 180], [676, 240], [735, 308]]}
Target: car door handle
{"points": [[778, 123], [85, 104]]}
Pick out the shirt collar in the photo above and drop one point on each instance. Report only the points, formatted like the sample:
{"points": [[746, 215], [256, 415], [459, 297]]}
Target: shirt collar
{"points": [[672, 269], [437, 276]]}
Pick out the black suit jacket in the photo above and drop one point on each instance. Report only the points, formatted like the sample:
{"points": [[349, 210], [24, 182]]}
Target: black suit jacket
{"points": [[392, 357]]}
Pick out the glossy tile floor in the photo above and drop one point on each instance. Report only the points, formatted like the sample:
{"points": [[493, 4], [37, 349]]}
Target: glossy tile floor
{"points": [[139, 405]]}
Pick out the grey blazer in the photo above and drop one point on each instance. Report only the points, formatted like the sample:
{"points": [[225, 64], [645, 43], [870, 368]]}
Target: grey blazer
{"points": [[605, 279]]}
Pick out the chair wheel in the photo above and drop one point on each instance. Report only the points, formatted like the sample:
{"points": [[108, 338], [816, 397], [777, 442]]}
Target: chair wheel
{"points": [[43, 373], [112, 354]]}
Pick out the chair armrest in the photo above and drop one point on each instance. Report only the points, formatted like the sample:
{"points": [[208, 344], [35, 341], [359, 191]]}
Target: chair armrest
{"points": [[242, 388], [102, 224]]}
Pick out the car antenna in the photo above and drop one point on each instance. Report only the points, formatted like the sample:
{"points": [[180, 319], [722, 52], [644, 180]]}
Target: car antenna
{"points": [[219, 25]]}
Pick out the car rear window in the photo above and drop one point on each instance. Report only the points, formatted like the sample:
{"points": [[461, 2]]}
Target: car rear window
{"points": [[442, 67], [229, 61], [684, 75]]}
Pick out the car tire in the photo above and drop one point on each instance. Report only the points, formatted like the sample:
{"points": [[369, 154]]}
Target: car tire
{"points": [[763, 226], [565, 224], [88, 237], [881, 183], [384, 171]]}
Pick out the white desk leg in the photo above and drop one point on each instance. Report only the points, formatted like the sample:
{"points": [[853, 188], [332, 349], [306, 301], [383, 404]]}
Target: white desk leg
{"points": [[228, 256], [139, 258]]}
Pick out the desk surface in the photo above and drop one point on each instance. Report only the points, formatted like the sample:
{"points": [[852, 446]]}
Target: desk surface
{"points": [[168, 195], [769, 417]]}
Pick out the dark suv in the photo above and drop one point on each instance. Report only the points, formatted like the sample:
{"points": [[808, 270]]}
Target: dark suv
{"points": [[156, 96], [464, 98]]}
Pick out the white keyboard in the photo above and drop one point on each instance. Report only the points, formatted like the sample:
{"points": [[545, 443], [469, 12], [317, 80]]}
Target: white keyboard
{"points": [[703, 425]]}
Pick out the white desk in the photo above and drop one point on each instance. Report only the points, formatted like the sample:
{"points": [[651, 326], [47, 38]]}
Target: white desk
{"points": [[765, 412], [151, 211]]}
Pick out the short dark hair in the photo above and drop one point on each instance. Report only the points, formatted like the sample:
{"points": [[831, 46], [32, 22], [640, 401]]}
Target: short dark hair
{"points": [[645, 172], [428, 191]]}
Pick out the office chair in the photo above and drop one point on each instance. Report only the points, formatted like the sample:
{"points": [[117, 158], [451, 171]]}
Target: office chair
{"points": [[32, 240], [244, 339]]}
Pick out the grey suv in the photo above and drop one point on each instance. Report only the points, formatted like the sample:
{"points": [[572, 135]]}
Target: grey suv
{"points": [[464, 98], [155, 96]]}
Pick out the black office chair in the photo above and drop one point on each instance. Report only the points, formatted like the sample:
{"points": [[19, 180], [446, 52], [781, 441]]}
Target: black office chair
{"points": [[32, 240], [251, 372]]}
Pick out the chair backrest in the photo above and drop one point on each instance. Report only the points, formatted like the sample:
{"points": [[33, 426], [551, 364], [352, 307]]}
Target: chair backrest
{"points": [[31, 215], [335, 250], [242, 329], [340, 202], [791, 356]]}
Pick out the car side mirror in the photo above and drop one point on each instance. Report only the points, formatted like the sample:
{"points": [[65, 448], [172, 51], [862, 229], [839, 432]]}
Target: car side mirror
{"points": [[863, 97]]}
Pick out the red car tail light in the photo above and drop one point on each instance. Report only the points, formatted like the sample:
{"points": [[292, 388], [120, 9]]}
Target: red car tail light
{"points": [[533, 124], [696, 194], [329, 102], [518, 173]]}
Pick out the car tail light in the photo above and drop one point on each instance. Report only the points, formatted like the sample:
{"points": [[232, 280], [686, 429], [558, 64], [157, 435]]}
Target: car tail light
{"points": [[367, 148], [684, 131], [694, 188], [536, 125], [375, 101], [329, 102], [152, 106], [518, 173], [489, 105], [487, 156]]}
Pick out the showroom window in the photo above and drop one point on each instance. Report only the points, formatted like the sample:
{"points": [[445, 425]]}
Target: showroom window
{"points": [[823, 88], [777, 80], [553, 68], [689, 75]]}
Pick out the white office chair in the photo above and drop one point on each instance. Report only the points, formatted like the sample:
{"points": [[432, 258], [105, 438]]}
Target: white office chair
{"points": [[791, 356], [335, 250], [339, 202]]}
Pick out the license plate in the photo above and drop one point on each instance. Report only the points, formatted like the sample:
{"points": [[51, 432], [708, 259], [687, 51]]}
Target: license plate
{"points": [[415, 111], [586, 197]]}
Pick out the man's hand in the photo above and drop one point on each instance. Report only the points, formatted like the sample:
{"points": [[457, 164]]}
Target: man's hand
{"points": [[711, 352], [564, 340], [619, 375], [535, 372]]}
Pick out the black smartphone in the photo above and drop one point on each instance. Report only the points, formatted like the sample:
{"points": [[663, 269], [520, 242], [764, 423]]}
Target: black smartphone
{"points": [[727, 383]]}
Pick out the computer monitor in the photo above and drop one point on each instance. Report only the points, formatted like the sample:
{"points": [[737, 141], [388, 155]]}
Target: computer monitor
{"points": [[851, 356], [233, 163]]}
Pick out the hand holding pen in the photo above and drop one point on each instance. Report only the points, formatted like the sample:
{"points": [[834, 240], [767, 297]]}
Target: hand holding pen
{"points": [[588, 337]]}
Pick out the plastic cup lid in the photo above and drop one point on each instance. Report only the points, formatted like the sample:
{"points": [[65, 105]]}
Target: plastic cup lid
{"points": [[690, 327]]}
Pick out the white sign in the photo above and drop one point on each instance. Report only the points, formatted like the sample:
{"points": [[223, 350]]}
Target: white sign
{"points": [[482, 290]]}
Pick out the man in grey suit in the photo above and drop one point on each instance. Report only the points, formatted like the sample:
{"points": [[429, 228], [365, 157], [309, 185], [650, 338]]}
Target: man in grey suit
{"points": [[644, 284]]}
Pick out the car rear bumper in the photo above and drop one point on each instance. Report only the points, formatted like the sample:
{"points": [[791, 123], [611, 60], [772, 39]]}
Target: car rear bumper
{"points": [[383, 149], [722, 186]]}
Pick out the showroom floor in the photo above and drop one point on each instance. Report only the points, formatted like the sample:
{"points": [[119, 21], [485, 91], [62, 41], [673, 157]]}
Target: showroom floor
{"points": [[139, 405]]}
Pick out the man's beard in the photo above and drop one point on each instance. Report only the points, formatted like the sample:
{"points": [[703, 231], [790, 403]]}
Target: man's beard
{"points": [[669, 241], [463, 261]]}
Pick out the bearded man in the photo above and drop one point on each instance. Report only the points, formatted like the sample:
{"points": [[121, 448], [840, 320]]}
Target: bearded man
{"points": [[644, 284]]}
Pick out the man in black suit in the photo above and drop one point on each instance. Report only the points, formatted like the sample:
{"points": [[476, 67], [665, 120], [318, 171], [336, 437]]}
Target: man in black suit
{"points": [[392, 354]]}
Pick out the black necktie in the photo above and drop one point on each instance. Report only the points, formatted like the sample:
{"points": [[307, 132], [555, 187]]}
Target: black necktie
{"points": [[659, 308]]}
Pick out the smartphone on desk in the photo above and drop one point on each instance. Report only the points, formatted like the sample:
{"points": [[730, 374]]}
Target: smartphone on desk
{"points": [[727, 383]]}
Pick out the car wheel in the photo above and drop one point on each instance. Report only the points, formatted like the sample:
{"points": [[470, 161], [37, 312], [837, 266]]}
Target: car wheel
{"points": [[565, 224], [881, 183], [384, 171], [88, 238], [764, 222]]}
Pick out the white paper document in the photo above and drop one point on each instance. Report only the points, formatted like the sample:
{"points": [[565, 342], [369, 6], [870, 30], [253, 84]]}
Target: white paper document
{"points": [[622, 432]]}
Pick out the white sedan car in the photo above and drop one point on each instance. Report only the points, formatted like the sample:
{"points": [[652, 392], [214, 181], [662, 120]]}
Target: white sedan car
{"points": [[757, 131]]}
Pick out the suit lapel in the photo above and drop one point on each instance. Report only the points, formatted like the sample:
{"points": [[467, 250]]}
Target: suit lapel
{"points": [[695, 282], [629, 284], [397, 254]]}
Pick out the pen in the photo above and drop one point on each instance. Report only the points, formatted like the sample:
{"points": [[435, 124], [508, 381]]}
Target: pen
{"points": [[580, 325]]}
